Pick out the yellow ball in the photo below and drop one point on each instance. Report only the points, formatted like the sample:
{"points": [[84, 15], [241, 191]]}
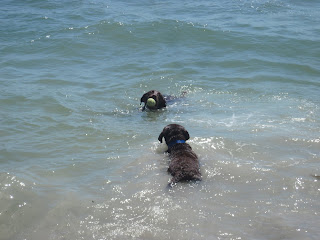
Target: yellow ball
{"points": [[151, 102]]}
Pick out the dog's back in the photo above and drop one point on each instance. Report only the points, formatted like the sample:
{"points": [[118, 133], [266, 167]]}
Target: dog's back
{"points": [[184, 163]]}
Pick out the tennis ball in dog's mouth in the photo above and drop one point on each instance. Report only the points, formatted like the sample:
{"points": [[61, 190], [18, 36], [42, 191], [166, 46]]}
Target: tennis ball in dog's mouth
{"points": [[151, 102]]}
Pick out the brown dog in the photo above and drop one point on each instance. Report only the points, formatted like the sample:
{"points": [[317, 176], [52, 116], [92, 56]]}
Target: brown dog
{"points": [[160, 101], [184, 163]]}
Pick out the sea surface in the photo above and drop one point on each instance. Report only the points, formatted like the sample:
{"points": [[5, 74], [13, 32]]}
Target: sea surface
{"points": [[80, 160]]}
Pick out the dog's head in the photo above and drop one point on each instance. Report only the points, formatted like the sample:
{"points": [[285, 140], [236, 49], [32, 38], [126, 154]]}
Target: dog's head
{"points": [[160, 102], [173, 132]]}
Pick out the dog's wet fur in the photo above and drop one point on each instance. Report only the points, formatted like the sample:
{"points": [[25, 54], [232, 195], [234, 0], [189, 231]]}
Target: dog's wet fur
{"points": [[157, 96], [184, 163], [161, 100]]}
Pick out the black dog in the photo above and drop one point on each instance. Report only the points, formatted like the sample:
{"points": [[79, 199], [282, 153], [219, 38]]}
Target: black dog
{"points": [[184, 163], [160, 101]]}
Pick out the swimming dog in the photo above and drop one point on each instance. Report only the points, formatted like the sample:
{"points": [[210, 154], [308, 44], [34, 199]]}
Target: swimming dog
{"points": [[184, 164], [160, 101]]}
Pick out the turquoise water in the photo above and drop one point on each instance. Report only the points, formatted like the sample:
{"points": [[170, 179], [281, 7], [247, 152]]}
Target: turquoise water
{"points": [[79, 160]]}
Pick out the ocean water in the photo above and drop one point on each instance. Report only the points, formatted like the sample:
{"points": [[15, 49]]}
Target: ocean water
{"points": [[80, 160]]}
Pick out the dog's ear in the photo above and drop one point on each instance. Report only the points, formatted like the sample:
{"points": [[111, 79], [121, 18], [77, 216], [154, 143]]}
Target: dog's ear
{"points": [[186, 134], [144, 98], [162, 101], [160, 137], [163, 134]]}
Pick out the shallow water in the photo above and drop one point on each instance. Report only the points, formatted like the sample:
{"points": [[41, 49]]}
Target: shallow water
{"points": [[79, 160]]}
